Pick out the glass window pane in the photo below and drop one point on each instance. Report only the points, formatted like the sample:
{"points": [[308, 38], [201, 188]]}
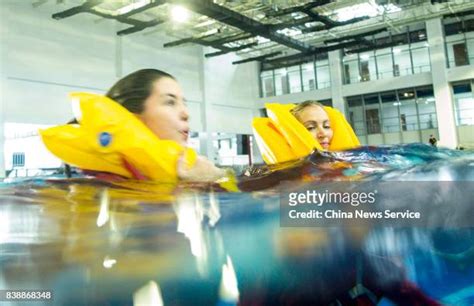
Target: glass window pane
{"points": [[322, 74], [356, 115], [464, 103], [402, 62], [470, 49], [408, 115], [390, 115], [351, 69], [267, 83], [426, 108], [309, 82], [367, 66], [452, 41], [294, 78], [421, 57], [281, 82], [372, 114], [384, 63]]}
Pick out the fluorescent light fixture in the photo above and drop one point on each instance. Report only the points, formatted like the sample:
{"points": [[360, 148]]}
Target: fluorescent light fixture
{"points": [[262, 40], [179, 13], [289, 32], [430, 100], [365, 57], [396, 103], [369, 9], [132, 6], [396, 51]]}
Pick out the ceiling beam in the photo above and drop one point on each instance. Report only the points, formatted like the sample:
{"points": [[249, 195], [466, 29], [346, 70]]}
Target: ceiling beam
{"points": [[357, 36], [137, 25], [241, 47], [86, 7], [257, 58], [242, 22]]}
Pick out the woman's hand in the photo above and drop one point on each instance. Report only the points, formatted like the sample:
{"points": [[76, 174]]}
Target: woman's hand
{"points": [[202, 171]]}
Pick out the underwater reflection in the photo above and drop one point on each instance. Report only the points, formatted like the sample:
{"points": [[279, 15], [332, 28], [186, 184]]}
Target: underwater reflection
{"points": [[128, 243]]}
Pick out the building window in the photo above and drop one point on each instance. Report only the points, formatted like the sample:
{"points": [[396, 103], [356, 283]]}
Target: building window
{"points": [[384, 63], [294, 78], [402, 61], [18, 159], [395, 111], [356, 115], [322, 74], [282, 86], [426, 108], [267, 82], [408, 110], [309, 80], [390, 113], [470, 46], [464, 104], [456, 50], [372, 114], [368, 70], [351, 69], [421, 57]]}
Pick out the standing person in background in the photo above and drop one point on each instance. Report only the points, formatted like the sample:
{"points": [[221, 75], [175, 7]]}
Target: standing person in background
{"points": [[433, 141]]}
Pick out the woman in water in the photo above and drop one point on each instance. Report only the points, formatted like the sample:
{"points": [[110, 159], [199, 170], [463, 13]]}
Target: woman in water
{"points": [[156, 98], [315, 119]]}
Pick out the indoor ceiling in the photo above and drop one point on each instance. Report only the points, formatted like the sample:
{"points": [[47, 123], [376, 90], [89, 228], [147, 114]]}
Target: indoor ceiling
{"points": [[266, 30]]}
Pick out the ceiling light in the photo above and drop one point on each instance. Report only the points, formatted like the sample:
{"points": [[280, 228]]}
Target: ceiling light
{"points": [[289, 31], [365, 57], [396, 51], [132, 6], [370, 9], [179, 13], [262, 40]]}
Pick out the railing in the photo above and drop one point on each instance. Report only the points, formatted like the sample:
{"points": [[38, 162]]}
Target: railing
{"points": [[388, 74]]}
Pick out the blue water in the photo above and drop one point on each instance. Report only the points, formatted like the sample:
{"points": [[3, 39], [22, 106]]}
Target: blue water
{"points": [[98, 243]]}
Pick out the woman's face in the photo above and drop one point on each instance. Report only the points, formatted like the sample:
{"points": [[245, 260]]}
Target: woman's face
{"points": [[316, 121], [165, 112]]}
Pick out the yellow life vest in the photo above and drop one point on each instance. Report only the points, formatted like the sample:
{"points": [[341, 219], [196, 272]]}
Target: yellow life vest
{"points": [[281, 137], [108, 136]]}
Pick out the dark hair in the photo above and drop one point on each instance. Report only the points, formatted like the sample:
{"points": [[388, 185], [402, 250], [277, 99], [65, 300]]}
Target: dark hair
{"points": [[132, 90]]}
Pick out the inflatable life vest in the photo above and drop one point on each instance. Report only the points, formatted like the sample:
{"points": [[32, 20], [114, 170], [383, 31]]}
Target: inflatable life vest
{"points": [[109, 138], [281, 137]]}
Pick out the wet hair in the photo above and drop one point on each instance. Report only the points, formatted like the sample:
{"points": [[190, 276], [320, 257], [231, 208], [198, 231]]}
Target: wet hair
{"points": [[301, 106], [132, 90]]}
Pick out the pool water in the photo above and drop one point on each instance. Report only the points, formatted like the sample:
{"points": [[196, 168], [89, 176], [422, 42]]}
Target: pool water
{"points": [[142, 243]]}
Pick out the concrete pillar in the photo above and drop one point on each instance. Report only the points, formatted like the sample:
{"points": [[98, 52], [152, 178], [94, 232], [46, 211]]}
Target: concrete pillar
{"points": [[335, 71], [442, 90], [118, 52], [2, 126], [3, 79], [205, 138]]}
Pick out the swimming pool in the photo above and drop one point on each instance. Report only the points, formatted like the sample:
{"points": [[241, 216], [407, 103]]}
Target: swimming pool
{"points": [[98, 243]]}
